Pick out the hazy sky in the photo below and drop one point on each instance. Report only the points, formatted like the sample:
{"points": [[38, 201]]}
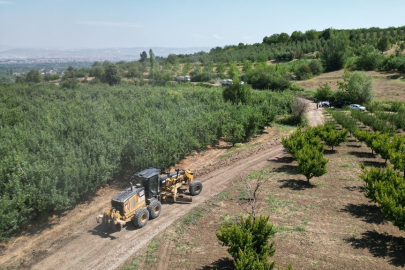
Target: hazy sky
{"points": [[178, 23]]}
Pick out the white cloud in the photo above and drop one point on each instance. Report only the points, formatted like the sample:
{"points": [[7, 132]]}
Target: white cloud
{"points": [[198, 36], [115, 24], [218, 37]]}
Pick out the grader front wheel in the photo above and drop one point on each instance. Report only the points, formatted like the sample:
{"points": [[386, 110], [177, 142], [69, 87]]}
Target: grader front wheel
{"points": [[154, 208], [141, 218], [195, 188]]}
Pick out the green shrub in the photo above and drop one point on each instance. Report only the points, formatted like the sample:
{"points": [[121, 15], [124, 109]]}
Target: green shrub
{"points": [[316, 67], [303, 72], [324, 92], [248, 243], [311, 162], [386, 187]]}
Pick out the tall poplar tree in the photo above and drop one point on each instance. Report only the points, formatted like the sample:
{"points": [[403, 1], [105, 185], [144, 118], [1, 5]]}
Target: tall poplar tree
{"points": [[152, 63]]}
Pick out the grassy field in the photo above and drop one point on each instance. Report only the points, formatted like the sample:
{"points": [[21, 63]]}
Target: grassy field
{"points": [[387, 86]]}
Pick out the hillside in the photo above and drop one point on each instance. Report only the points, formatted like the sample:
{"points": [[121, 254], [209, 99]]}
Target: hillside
{"points": [[386, 85]]}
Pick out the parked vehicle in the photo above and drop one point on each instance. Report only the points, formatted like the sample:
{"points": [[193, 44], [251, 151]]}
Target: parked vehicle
{"points": [[183, 78], [357, 107], [341, 104], [226, 82]]}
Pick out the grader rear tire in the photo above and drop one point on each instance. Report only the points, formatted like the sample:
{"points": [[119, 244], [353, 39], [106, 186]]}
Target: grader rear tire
{"points": [[154, 208], [141, 218], [195, 188]]}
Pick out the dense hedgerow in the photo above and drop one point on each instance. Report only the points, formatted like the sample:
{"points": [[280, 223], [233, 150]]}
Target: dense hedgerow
{"points": [[58, 144], [372, 121], [386, 187]]}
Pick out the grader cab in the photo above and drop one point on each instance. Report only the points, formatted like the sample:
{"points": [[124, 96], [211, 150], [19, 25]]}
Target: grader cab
{"points": [[142, 200]]}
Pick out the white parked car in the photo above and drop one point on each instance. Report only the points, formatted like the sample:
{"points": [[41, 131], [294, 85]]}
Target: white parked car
{"points": [[357, 107]]}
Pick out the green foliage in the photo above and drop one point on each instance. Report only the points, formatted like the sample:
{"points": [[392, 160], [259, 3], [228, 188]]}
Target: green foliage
{"points": [[69, 83], [311, 34], [386, 187], [51, 77], [331, 136], [335, 52], [347, 122], [381, 144], [59, 145], [383, 44], [202, 76], [220, 69], [372, 121], [299, 139], [234, 132], [161, 77], [303, 72], [237, 93], [247, 65], [307, 149], [112, 75], [397, 153], [97, 72], [248, 243], [324, 92], [311, 162], [267, 77], [143, 56], [33, 76], [316, 67], [297, 36], [358, 86], [366, 137], [171, 59], [233, 71], [369, 58]]}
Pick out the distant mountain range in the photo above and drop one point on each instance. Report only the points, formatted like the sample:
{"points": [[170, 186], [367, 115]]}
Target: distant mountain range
{"points": [[89, 55]]}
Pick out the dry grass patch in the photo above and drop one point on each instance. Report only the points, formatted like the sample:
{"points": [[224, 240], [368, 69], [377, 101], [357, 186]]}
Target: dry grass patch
{"points": [[387, 86]]}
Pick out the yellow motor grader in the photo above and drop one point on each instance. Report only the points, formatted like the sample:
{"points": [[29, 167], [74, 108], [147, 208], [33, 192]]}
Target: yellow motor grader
{"points": [[142, 200]]}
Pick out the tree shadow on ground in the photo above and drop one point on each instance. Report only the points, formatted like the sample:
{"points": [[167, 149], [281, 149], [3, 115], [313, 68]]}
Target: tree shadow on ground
{"points": [[283, 160], [362, 154], [394, 77], [329, 151], [382, 246], [221, 264], [354, 145], [374, 164], [366, 212], [356, 188], [294, 184], [289, 169]]}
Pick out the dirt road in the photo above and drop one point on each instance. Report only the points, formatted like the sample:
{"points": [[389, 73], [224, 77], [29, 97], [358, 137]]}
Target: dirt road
{"points": [[76, 241]]}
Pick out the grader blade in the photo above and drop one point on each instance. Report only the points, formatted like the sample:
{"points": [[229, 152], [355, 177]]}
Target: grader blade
{"points": [[183, 198]]}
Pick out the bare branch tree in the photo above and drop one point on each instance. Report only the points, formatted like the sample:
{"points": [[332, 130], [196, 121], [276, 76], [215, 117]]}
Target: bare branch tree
{"points": [[252, 203]]}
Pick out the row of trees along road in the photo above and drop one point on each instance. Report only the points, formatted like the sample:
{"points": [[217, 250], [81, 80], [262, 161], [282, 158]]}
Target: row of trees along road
{"points": [[384, 186], [307, 149]]}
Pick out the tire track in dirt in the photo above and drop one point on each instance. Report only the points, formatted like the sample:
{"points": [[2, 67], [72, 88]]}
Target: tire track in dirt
{"points": [[93, 250]]}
